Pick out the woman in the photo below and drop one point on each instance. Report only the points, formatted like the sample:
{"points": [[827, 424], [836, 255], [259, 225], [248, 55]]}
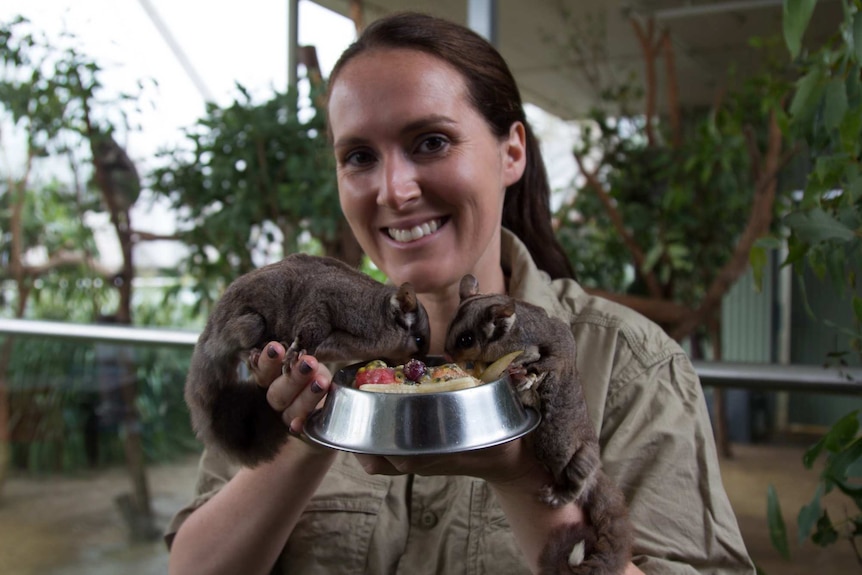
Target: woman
{"points": [[439, 176]]}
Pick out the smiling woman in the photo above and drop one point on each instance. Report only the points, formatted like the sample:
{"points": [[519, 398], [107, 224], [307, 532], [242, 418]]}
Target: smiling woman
{"points": [[439, 176]]}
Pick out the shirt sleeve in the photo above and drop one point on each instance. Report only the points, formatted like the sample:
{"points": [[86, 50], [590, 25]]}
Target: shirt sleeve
{"points": [[657, 444], [213, 473]]}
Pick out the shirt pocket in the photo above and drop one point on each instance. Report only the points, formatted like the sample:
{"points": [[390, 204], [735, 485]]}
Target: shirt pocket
{"points": [[492, 547], [333, 535]]}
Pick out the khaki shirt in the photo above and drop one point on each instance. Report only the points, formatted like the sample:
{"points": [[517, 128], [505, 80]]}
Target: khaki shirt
{"points": [[650, 415]]}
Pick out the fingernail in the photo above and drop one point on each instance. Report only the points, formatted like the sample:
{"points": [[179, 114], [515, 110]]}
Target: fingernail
{"points": [[304, 368], [270, 351], [315, 387]]}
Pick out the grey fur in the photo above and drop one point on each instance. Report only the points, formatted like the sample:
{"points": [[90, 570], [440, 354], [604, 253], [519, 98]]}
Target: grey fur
{"points": [[488, 326], [311, 304]]}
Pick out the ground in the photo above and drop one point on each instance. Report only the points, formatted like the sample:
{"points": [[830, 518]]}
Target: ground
{"points": [[69, 526]]}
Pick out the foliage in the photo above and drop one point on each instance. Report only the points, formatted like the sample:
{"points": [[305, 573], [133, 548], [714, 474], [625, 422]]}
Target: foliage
{"points": [[45, 245], [686, 204], [825, 226], [70, 415], [256, 178], [841, 471], [825, 233], [51, 105], [670, 199]]}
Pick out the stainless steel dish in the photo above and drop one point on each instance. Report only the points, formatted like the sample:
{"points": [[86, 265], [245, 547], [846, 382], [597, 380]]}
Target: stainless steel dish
{"points": [[418, 423]]}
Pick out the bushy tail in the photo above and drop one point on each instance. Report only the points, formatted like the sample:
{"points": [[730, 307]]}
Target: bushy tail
{"points": [[599, 546], [233, 416]]}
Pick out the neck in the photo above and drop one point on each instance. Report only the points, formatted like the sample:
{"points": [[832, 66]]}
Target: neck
{"points": [[441, 306]]}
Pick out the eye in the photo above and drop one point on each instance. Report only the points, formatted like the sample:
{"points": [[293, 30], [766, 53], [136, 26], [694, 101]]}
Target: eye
{"points": [[432, 144], [358, 158], [465, 340]]}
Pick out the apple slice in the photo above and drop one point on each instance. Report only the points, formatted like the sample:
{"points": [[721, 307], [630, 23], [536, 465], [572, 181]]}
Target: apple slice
{"points": [[496, 369]]}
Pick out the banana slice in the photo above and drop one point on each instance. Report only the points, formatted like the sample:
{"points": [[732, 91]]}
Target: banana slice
{"points": [[430, 387], [496, 369]]}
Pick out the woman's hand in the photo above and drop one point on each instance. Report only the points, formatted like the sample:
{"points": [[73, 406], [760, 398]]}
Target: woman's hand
{"points": [[296, 392], [511, 463]]}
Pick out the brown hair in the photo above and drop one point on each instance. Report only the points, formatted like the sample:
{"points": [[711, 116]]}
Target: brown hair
{"points": [[494, 94]]}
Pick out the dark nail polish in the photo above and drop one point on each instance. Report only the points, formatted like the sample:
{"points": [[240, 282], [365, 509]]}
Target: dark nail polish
{"points": [[304, 368], [315, 387], [270, 351]]}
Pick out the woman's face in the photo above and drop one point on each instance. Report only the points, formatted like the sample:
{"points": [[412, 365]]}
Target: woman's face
{"points": [[421, 176]]}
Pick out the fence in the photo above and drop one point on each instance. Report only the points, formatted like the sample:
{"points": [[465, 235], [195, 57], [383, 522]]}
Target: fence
{"points": [[772, 377]]}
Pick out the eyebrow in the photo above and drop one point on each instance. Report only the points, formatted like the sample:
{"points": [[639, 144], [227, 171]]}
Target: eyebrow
{"points": [[414, 126]]}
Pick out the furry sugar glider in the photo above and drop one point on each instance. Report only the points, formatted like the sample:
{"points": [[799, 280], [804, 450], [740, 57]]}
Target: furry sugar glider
{"points": [[312, 304], [489, 326]]}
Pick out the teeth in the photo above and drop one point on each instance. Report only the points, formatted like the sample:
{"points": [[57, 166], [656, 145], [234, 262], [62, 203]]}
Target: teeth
{"points": [[414, 233]]}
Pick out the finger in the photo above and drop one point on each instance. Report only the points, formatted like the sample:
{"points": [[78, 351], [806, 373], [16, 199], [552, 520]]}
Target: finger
{"points": [[299, 390], [268, 364], [305, 401], [376, 465]]}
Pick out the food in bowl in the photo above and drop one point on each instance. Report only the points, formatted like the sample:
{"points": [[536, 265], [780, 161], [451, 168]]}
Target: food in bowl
{"points": [[413, 377], [417, 377]]}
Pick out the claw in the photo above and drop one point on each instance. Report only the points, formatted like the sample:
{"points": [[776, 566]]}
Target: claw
{"points": [[292, 356], [253, 358]]}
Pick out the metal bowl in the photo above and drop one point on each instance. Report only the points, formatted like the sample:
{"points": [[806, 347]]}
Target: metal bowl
{"points": [[418, 423]]}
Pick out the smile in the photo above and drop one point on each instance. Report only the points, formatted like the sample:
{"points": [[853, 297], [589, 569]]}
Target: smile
{"points": [[414, 233]]}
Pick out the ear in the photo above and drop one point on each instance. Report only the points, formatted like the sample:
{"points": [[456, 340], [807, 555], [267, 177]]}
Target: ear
{"points": [[514, 154], [499, 320], [405, 299], [469, 287]]}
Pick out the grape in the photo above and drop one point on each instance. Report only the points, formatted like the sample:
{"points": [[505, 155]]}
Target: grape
{"points": [[414, 369]]}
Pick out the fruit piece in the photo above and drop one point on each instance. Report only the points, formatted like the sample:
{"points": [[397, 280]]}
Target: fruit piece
{"points": [[414, 370], [375, 375], [496, 369], [431, 387]]}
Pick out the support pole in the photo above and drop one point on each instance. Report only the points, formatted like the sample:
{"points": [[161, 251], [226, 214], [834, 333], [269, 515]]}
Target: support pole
{"points": [[292, 41], [482, 18]]}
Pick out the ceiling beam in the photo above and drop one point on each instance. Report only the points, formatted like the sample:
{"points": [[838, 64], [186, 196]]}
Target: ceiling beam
{"points": [[714, 8]]}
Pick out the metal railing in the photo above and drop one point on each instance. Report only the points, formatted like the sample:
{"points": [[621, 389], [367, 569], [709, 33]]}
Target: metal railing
{"points": [[766, 377]]}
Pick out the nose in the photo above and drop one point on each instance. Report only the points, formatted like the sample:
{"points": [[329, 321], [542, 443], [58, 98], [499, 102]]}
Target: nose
{"points": [[398, 186]]}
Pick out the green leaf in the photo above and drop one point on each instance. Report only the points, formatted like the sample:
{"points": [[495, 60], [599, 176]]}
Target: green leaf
{"points": [[835, 103], [816, 225], [769, 243], [857, 35], [652, 257], [857, 308], [777, 529], [851, 490], [758, 259], [808, 515], [809, 91], [842, 432], [826, 533], [797, 14], [838, 464], [812, 453]]}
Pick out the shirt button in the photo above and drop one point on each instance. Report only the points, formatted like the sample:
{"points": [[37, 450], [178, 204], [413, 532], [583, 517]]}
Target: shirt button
{"points": [[428, 519]]}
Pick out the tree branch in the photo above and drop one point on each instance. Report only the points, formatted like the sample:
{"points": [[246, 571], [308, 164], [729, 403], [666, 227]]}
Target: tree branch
{"points": [[646, 38], [139, 236], [758, 224], [65, 258], [672, 90], [661, 311], [634, 249]]}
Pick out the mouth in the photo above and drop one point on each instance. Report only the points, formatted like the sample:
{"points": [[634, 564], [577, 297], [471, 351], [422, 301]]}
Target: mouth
{"points": [[407, 235]]}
